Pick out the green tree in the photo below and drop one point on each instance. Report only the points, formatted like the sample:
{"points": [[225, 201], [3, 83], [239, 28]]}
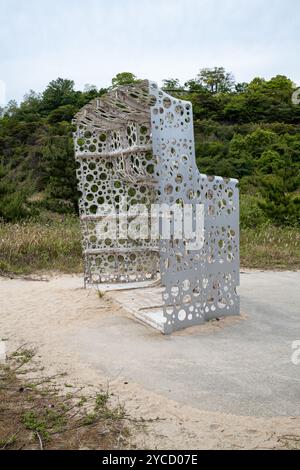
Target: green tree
{"points": [[62, 186], [172, 84], [62, 113], [194, 86], [59, 92], [241, 87], [87, 88], [12, 201], [11, 108], [216, 79], [123, 78], [280, 207], [250, 131], [31, 102]]}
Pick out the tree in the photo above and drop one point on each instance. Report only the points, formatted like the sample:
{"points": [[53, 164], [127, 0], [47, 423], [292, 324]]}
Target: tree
{"points": [[31, 99], [12, 201], [11, 108], [194, 86], [241, 87], [270, 100], [58, 93], [280, 207], [251, 132], [271, 162], [63, 113], [172, 84], [123, 78], [62, 187], [216, 79], [87, 88]]}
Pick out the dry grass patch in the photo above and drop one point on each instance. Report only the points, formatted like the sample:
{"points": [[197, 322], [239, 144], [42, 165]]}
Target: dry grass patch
{"points": [[33, 246], [270, 247], [55, 244], [37, 415]]}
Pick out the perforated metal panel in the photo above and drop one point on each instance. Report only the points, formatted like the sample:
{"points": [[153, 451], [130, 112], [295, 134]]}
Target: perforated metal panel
{"points": [[199, 284], [136, 145]]}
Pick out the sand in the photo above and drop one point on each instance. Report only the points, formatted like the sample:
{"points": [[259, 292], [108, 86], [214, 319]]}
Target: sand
{"points": [[42, 312]]}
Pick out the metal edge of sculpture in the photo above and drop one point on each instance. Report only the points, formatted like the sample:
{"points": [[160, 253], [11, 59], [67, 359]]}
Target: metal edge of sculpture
{"points": [[135, 145]]}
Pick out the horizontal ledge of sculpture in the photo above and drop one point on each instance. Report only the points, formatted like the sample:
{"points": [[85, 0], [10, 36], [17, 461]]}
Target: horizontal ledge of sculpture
{"points": [[114, 153]]}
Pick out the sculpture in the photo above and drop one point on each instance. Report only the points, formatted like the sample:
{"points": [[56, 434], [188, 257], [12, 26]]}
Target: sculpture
{"points": [[134, 149]]}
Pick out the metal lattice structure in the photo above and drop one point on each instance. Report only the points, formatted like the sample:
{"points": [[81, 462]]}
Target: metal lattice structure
{"points": [[115, 165], [134, 146]]}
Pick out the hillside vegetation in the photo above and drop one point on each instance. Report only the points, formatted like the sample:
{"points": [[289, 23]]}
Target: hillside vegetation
{"points": [[249, 131]]}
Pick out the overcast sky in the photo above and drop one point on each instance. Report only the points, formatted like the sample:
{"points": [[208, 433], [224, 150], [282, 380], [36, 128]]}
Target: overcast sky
{"points": [[90, 41]]}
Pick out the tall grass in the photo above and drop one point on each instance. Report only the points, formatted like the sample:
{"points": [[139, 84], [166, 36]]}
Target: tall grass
{"points": [[269, 247], [55, 245], [33, 246]]}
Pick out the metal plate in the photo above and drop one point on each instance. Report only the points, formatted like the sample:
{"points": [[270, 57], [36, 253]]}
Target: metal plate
{"points": [[199, 284]]}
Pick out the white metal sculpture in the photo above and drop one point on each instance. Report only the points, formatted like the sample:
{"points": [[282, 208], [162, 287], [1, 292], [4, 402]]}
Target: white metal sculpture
{"points": [[134, 149]]}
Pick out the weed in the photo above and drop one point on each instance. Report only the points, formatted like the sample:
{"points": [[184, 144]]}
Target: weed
{"points": [[101, 400], [33, 422], [36, 416]]}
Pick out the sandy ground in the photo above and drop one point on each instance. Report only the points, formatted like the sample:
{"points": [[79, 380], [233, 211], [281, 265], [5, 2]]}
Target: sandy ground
{"points": [[48, 315]]}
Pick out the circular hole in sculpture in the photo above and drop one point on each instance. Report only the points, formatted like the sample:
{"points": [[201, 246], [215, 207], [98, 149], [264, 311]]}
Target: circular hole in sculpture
{"points": [[181, 315], [167, 102]]}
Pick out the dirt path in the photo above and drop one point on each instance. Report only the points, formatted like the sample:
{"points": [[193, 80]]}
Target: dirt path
{"points": [[50, 314]]}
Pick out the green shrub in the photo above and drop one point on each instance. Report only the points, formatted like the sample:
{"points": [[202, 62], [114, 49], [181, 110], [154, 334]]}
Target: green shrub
{"points": [[13, 206], [251, 214]]}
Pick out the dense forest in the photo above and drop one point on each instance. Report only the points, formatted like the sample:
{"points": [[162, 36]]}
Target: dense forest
{"points": [[250, 131]]}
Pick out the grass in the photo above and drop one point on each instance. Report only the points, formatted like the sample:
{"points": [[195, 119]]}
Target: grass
{"points": [[33, 246], [290, 442], [269, 247], [54, 244], [38, 415]]}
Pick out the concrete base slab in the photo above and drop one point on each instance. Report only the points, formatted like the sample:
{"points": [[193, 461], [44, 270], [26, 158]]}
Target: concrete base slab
{"points": [[144, 304], [244, 368], [121, 286], [143, 300]]}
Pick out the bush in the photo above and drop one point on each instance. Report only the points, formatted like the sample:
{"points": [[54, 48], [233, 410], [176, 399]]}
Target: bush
{"points": [[251, 214], [280, 207], [13, 207]]}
